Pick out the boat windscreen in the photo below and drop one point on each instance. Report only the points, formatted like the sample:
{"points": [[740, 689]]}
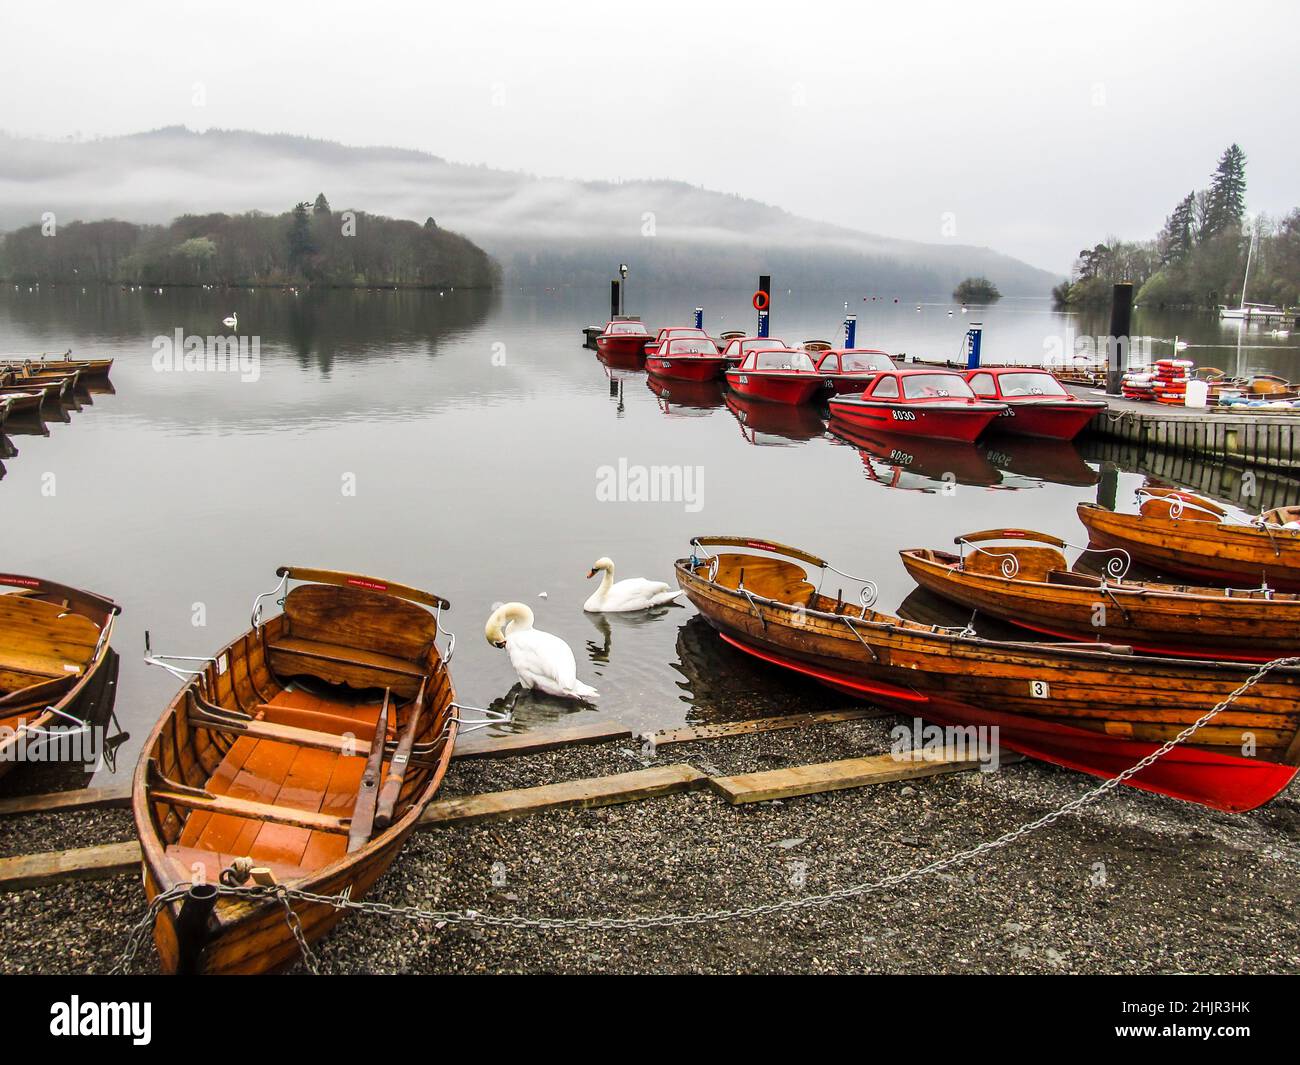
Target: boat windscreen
{"points": [[782, 360], [1030, 384], [691, 346], [936, 386], [862, 362]]}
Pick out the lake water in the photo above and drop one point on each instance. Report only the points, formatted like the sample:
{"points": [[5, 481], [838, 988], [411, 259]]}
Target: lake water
{"points": [[457, 442]]}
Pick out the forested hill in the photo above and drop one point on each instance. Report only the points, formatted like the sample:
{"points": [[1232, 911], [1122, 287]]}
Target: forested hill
{"points": [[308, 245], [543, 231]]}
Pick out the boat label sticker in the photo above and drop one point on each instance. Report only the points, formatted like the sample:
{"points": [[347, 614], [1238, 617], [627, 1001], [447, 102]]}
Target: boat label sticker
{"points": [[904, 415], [1039, 689], [221, 665]]}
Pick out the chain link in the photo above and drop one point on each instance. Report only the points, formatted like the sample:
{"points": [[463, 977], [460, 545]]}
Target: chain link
{"points": [[285, 894]]}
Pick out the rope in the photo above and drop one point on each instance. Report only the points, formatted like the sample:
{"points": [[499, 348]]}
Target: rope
{"points": [[283, 894]]}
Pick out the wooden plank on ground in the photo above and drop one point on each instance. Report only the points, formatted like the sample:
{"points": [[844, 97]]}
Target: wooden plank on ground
{"points": [[80, 799], [85, 863], [687, 733], [836, 776], [592, 791], [483, 746]]}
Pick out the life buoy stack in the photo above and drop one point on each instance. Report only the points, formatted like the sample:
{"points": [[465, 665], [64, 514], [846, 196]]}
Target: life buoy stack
{"points": [[1170, 381]]}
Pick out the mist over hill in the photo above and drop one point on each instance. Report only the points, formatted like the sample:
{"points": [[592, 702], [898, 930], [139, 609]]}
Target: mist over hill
{"points": [[543, 231]]}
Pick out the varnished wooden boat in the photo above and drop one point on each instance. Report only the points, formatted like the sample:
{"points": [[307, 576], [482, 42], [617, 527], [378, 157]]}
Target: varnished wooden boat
{"points": [[1181, 533], [1029, 583], [310, 745], [57, 390], [96, 369], [54, 650], [1097, 708]]}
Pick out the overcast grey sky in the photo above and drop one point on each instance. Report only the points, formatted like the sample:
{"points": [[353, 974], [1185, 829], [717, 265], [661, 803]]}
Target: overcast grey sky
{"points": [[1037, 127]]}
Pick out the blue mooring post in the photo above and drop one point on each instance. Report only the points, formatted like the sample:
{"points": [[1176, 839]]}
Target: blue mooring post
{"points": [[765, 287], [851, 331], [699, 317], [973, 337]]}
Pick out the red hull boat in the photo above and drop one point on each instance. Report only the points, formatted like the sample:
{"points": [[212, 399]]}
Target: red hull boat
{"points": [[1037, 404], [623, 339], [936, 404], [776, 376], [683, 332], [686, 359]]}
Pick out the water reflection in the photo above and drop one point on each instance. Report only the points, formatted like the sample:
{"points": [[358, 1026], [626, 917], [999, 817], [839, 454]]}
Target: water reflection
{"points": [[764, 424], [916, 464], [599, 649], [1034, 461], [686, 399]]}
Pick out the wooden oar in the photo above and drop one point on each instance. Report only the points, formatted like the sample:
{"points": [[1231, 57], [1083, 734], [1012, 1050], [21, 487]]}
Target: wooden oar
{"points": [[398, 766], [363, 813]]}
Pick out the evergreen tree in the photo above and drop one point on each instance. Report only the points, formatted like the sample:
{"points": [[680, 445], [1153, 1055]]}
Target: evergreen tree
{"points": [[300, 242], [321, 206], [1226, 203], [1179, 234]]}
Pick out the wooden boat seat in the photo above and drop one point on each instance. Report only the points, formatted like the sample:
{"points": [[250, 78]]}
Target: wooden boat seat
{"points": [[1036, 563], [354, 636], [40, 640], [314, 787], [772, 578]]}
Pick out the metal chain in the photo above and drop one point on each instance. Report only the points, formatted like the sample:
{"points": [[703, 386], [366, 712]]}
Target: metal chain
{"points": [[283, 893]]}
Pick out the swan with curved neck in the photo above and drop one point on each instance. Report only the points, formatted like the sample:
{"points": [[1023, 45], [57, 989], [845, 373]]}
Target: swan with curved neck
{"points": [[542, 661], [635, 593]]}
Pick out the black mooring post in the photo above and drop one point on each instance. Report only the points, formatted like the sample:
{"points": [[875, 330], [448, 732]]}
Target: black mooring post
{"points": [[192, 927], [1118, 343], [613, 299]]}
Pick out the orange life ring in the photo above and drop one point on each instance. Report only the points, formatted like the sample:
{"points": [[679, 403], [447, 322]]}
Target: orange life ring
{"points": [[761, 300]]}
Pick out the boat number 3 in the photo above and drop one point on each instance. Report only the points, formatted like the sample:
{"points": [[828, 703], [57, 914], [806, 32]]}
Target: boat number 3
{"points": [[904, 415], [1039, 689]]}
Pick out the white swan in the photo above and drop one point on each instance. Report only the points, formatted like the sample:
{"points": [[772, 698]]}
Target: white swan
{"points": [[232, 321], [542, 661], [635, 593]]}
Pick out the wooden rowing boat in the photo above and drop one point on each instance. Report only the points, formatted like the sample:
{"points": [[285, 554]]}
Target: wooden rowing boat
{"points": [[1178, 532], [54, 658], [1029, 583], [1097, 708], [57, 390], [96, 369], [309, 746]]}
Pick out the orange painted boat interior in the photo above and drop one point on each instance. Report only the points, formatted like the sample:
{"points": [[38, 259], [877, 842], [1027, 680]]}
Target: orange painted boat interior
{"points": [[345, 647], [284, 775]]}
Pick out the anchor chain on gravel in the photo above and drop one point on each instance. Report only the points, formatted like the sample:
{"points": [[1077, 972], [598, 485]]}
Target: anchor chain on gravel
{"points": [[284, 894]]}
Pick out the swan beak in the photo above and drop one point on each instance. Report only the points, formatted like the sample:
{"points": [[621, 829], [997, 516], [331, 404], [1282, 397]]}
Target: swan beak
{"points": [[590, 573], [499, 643]]}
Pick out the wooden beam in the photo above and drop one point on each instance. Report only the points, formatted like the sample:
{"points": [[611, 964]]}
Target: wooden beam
{"points": [[80, 799], [593, 791], [483, 746], [687, 733], [85, 863], [253, 811], [836, 776]]}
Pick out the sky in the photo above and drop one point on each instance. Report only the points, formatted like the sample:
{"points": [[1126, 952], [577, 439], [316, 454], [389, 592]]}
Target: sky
{"points": [[1033, 128]]}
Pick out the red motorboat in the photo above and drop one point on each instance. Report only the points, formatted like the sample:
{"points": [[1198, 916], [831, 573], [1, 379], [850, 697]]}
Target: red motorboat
{"points": [[849, 370], [936, 404], [673, 331], [738, 347], [1037, 403], [623, 338], [686, 359], [779, 375]]}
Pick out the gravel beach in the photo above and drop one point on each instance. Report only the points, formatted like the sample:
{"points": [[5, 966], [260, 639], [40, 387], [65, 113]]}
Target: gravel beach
{"points": [[1136, 884]]}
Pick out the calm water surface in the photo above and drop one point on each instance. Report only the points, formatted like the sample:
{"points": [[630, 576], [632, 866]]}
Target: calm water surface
{"points": [[474, 428]]}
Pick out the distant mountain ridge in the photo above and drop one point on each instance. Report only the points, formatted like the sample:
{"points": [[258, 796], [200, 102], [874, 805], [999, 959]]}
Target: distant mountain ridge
{"points": [[547, 231]]}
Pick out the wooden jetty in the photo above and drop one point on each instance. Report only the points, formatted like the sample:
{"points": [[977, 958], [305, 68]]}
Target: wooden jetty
{"points": [[1268, 439]]}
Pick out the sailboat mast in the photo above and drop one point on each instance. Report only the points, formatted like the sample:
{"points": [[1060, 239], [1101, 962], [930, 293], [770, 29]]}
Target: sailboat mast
{"points": [[1250, 250]]}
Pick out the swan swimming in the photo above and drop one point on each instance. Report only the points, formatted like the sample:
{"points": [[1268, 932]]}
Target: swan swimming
{"points": [[543, 661], [232, 321], [635, 593]]}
